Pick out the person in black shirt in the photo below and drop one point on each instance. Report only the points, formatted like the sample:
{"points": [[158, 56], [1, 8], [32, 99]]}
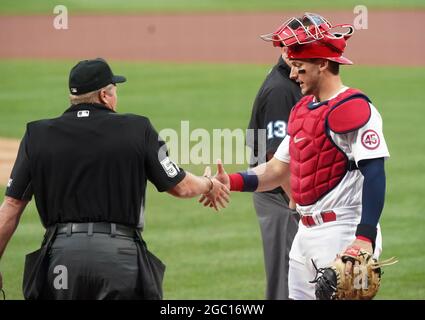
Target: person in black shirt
{"points": [[278, 223], [88, 170]]}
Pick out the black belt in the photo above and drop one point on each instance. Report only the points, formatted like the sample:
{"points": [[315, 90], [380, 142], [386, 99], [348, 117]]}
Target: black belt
{"points": [[113, 229]]}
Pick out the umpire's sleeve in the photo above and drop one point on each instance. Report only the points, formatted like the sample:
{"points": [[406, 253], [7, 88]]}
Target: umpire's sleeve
{"points": [[276, 111], [19, 185], [160, 169]]}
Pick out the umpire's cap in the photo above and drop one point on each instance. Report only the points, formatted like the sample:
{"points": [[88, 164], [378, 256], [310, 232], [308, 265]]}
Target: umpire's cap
{"points": [[91, 75]]}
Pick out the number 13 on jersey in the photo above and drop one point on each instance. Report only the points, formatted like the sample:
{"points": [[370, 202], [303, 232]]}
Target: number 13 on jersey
{"points": [[276, 129]]}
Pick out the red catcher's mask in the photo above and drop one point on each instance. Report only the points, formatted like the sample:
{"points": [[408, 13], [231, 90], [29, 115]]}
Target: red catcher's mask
{"points": [[312, 36]]}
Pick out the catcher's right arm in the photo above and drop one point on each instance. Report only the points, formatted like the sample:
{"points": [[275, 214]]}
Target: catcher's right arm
{"points": [[332, 283]]}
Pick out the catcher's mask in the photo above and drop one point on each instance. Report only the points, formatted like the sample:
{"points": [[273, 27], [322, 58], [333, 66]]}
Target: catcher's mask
{"points": [[312, 36]]}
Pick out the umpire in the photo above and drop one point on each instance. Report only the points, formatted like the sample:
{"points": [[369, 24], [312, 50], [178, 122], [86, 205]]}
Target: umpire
{"points": [[88, 170], [278, 223]]}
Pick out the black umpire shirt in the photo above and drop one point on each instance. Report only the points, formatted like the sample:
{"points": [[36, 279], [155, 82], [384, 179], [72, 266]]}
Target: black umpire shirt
{"points": [[91, 165], [271, 109]]}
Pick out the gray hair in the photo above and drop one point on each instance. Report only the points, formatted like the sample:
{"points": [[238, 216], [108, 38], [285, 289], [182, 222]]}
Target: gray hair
{"points": [[89, 97]]}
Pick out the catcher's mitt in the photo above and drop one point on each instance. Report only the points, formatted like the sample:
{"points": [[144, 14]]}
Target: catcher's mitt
{"points": [[362, 284]]}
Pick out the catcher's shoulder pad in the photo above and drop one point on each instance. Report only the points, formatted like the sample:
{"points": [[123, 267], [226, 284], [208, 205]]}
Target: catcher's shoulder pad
{"points": [[350, 114]]}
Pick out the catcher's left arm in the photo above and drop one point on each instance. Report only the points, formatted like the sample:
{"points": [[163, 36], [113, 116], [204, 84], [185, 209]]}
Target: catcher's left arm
{"points": [[350, 268]]}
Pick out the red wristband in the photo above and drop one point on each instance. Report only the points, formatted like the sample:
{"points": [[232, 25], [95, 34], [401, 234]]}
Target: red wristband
{"points": [[236, 182], [364, 239]]}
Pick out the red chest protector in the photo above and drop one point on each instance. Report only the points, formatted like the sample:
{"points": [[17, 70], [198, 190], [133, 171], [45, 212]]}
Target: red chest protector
{"points": [[317, 165]]}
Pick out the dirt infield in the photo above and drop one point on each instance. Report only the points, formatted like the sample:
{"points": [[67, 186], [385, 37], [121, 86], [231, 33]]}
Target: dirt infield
{"points": [[392, 38], [391, 35]]}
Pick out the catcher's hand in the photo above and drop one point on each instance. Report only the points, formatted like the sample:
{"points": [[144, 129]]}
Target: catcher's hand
{"points": [[221, 177], [362, 283]]}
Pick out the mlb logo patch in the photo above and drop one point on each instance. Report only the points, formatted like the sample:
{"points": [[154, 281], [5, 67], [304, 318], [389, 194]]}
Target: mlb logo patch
{"points": [[74, 90], [83, 113], [9, 183]]}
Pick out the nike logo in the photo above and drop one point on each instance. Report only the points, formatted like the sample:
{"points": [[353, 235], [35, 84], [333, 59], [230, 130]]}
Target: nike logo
{"points": [[296, 140]]}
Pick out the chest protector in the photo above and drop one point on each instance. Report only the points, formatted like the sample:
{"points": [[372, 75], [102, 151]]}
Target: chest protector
{"points": [[317, 164]]}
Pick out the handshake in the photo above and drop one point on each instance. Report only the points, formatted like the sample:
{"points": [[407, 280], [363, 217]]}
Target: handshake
{"points": [[218, 195]]}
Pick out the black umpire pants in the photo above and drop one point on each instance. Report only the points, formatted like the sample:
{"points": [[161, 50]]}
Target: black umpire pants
{"points": [[278, 225], [93, 266]]}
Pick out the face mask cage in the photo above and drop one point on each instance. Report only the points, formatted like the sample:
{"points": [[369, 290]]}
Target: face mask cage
{"points": [[310, 28]]}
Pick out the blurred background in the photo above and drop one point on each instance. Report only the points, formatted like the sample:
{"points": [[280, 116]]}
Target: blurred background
{"points": [[203, 62]]}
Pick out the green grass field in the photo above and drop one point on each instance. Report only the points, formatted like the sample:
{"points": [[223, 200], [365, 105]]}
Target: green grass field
{"points": [[153, 6], [219, 256]]}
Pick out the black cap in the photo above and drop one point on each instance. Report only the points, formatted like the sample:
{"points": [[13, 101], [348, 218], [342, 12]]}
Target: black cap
{"points": [[91, 75]]}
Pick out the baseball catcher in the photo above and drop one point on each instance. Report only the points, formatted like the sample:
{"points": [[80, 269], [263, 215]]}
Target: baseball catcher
{"points": [[354, 275], [331, 161]]}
